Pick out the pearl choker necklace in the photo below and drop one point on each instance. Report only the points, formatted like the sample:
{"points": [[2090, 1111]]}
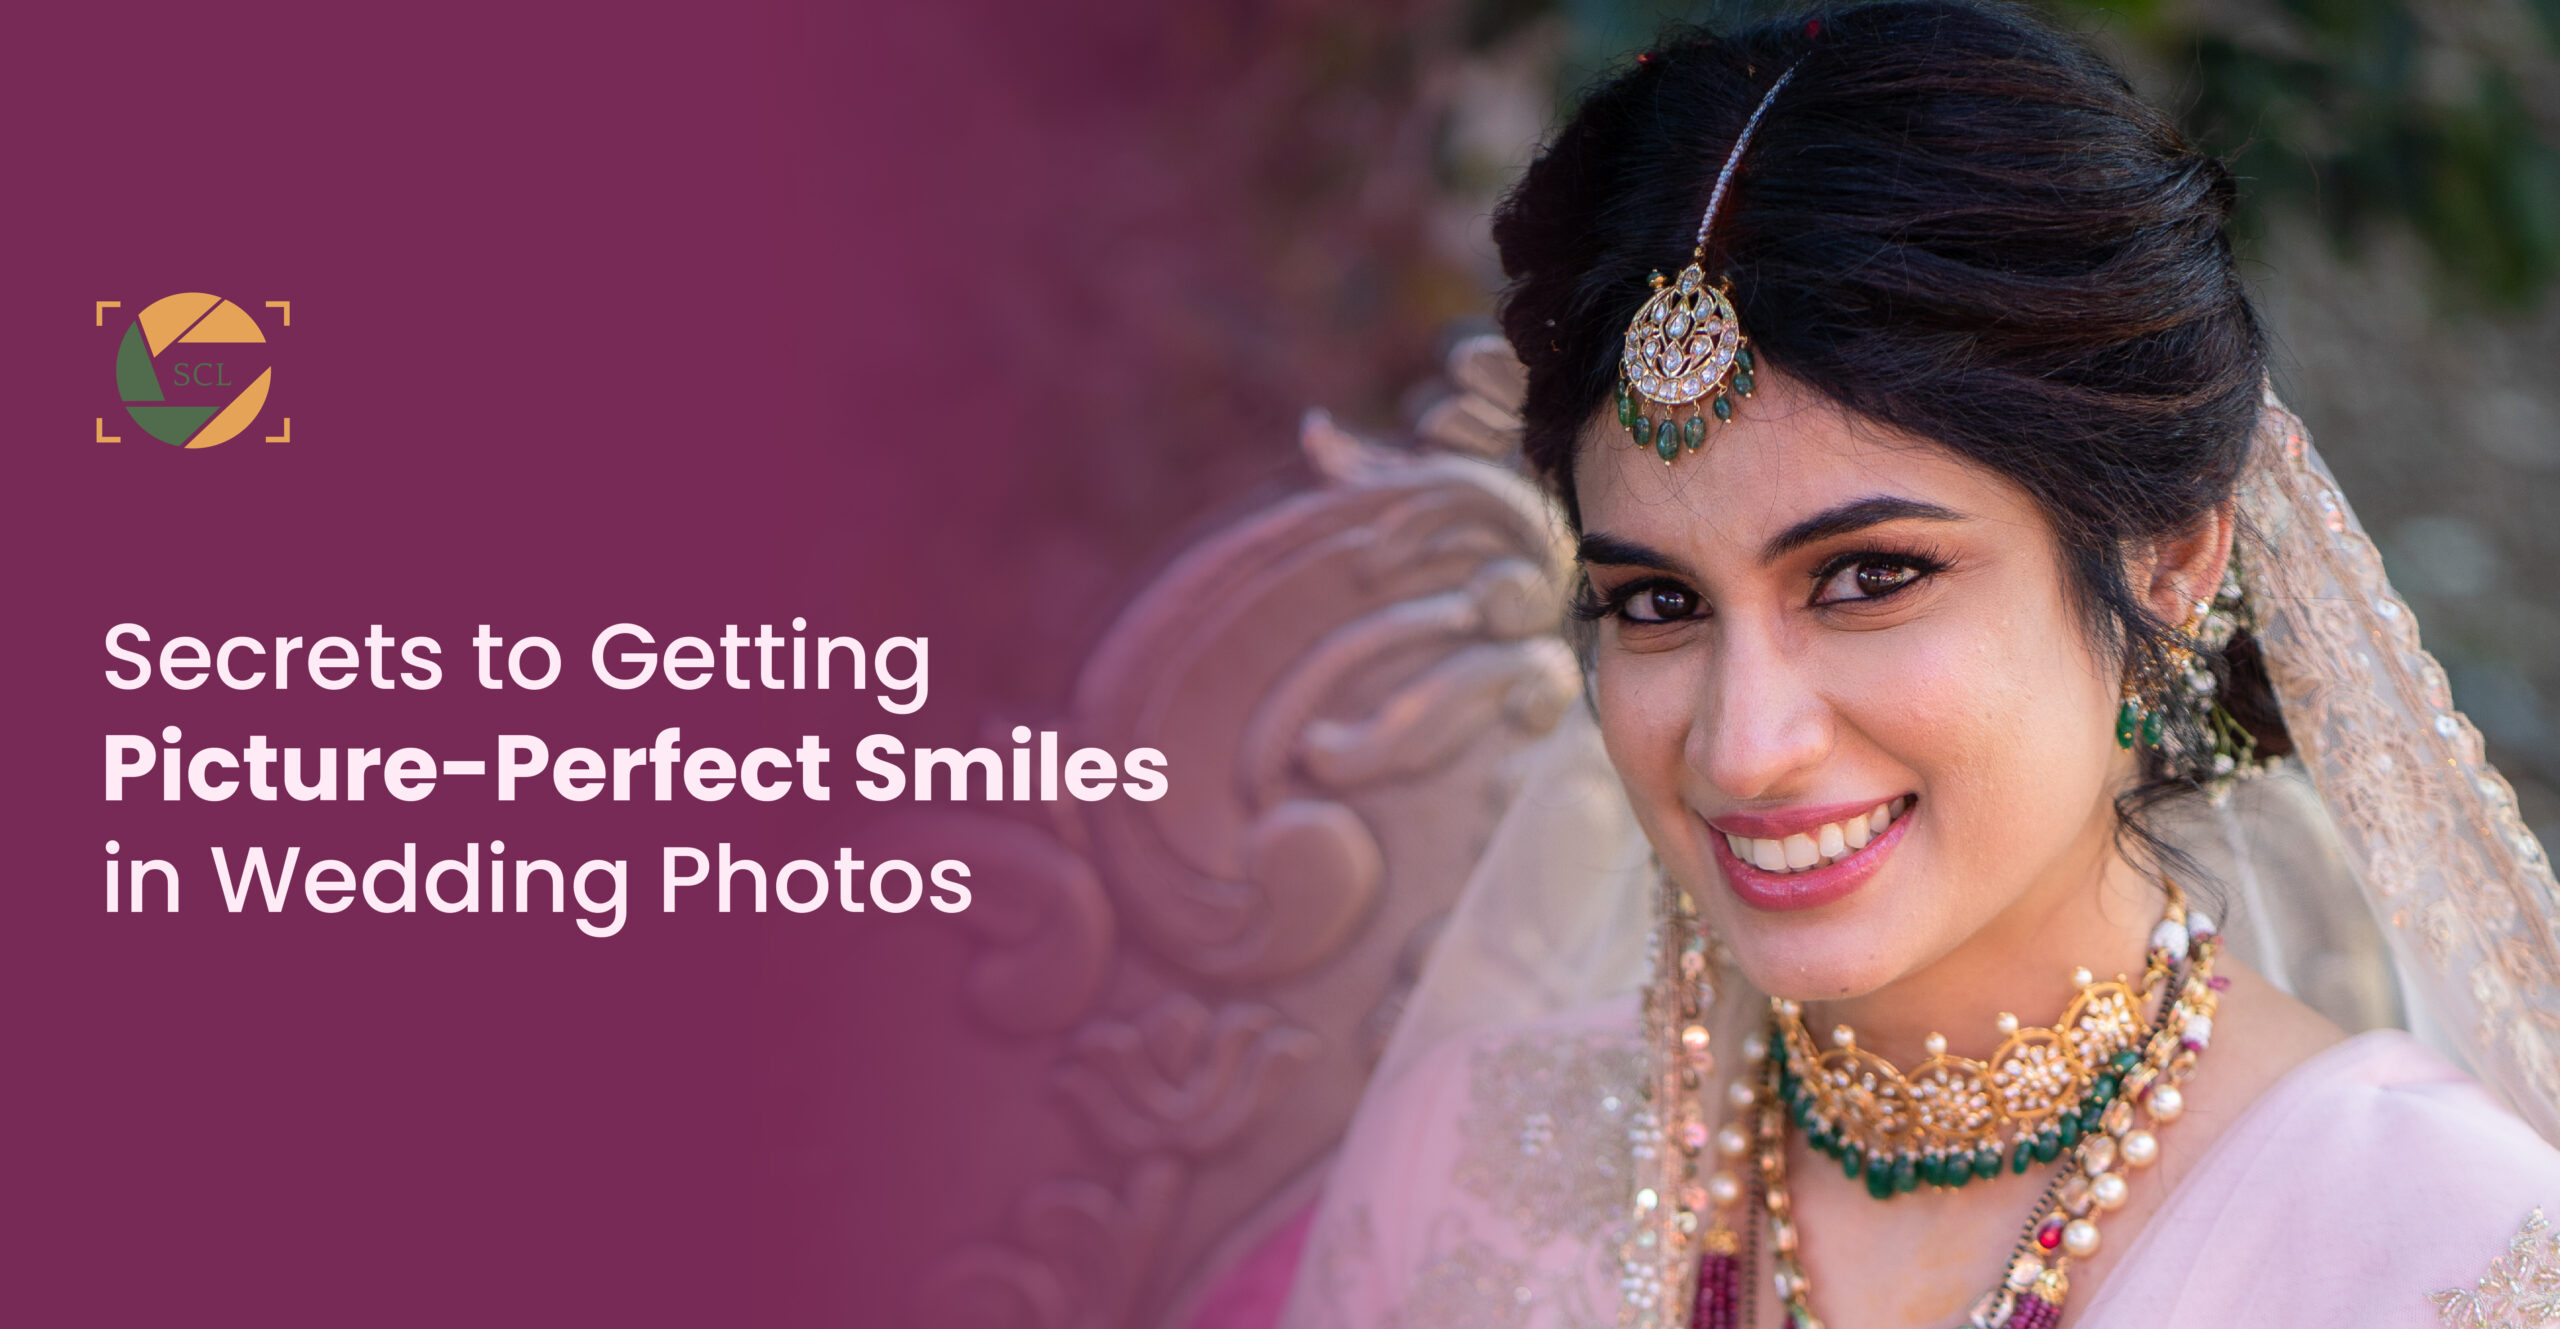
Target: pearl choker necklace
{"points": [[1952, 1119], [2108, 1140]]}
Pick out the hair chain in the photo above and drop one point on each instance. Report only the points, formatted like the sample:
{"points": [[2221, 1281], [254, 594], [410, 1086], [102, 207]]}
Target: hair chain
{"points": [[1715, 198]]}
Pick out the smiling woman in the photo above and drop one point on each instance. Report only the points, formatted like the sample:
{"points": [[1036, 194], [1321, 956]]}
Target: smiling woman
{"points": [[1946, 570], [1816, 616]]}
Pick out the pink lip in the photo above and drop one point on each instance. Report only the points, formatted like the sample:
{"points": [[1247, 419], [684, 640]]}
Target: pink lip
{"points": [[1813, 887], [1790, 821]]}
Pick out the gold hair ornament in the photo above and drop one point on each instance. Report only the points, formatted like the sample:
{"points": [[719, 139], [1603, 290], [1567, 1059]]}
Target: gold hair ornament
{"points": [[1685, 349]]}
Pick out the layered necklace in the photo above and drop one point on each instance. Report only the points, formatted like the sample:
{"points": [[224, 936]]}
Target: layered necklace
{"points": [[2087, 1094]]}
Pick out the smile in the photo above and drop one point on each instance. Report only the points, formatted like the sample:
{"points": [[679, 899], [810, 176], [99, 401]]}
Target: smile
{"points": [[1790, 861], [1825, 844]]}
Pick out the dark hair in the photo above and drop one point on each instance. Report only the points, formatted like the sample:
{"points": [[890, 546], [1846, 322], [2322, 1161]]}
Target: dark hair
{"points": [[1954, 220]]}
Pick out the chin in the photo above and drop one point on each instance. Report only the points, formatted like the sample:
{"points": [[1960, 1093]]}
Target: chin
{"points": [[1835, 932], [1813, 968]]}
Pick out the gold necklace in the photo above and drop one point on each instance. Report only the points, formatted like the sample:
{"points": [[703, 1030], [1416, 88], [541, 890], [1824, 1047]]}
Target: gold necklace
{"points": [[1953, 1120], [2063, 1224]]}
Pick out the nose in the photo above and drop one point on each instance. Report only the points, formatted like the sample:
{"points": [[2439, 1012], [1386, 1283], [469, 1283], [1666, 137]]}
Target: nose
{"points": [[1762, 727]]}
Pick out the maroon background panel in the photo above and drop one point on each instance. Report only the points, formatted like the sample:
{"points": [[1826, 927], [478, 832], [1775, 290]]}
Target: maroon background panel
{"points": [[682, 317]]}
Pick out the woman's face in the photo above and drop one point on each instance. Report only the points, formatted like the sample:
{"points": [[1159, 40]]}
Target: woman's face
{"points": [[1840, 673]]}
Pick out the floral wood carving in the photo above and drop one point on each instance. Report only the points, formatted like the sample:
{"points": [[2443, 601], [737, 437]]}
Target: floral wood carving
{"points": [[1046, 939], [1079, 1252], [1180, 1079], [1436, 580], [1336, 682]]}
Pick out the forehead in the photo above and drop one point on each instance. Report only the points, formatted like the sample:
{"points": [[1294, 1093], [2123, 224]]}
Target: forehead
{"points": [[1786, 455]]}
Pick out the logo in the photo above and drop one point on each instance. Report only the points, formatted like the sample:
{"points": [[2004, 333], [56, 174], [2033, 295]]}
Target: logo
{"points": [[194, 370]]}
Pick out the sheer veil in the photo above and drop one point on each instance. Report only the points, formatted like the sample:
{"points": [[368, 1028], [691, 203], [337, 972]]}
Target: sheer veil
{"points": [[2382, 874]]}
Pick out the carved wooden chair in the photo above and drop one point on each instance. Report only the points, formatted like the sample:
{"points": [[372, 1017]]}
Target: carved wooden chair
{"points": [[1340, 679]]}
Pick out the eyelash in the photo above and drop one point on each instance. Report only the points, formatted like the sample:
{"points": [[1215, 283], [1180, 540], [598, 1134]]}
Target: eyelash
{"points": [[1591, 604], [1921, 563]]}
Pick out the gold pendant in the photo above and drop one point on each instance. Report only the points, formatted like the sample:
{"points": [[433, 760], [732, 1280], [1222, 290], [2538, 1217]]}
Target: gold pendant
{"points": [[1686, 354], [1684, 343]]}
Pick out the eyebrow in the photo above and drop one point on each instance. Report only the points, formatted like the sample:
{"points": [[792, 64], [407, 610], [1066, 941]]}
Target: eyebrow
{"points": [[1856, 515], [1610, 551]]}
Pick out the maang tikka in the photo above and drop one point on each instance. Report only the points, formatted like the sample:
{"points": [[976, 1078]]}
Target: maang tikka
{"points": [[1685, 349]]}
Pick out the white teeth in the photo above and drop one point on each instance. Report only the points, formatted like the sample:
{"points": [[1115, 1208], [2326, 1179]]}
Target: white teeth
{"points": [[1826, 844], [1801, 853]]}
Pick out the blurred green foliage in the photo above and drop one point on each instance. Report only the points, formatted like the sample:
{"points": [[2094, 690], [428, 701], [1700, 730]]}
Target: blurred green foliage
{"points": [[2440, 115]]}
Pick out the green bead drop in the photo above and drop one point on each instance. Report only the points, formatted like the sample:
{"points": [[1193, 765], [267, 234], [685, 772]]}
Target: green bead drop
{"points": [[2068, 1131], [1743, 358], [2102, 1090], [2021, 1156], [1626, 408], [1742, 383], [1933, 1170], [1906, 1175], [1880, 1177], [1693, 431], [1724, 407], [2048, 1146], [1853, 1161], [1666, 440], [1986, 1162], [2151, 730], [2128, 718], [1959, 1169]]}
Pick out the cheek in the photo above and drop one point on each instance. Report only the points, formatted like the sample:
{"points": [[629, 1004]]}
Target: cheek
{"points": [[2004, 724], [1645, 705]]}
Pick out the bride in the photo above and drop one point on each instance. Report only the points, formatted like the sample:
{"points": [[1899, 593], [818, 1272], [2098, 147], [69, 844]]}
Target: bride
{"points": [[1994, 711]]}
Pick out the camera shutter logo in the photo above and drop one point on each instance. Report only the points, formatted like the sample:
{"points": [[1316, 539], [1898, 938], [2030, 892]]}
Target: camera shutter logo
{"points": [[193, 370]]}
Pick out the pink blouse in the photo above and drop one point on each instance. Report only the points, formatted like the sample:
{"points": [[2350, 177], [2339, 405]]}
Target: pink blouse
{"points": [[2374, 1185]]}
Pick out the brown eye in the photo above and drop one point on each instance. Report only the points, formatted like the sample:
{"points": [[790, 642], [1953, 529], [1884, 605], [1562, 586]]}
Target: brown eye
{"points": [[1871, 578], [1661, 603], [1881, 578]]}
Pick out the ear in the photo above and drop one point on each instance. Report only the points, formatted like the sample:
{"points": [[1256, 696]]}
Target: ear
{"points": [[2182, 568]]}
